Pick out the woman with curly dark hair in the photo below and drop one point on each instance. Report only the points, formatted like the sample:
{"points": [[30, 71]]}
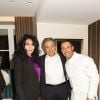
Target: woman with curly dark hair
{"points": [[26, 69]]}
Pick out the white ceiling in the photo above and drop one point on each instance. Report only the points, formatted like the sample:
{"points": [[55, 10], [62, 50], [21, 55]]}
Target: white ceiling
{"points": [[58, 11]]}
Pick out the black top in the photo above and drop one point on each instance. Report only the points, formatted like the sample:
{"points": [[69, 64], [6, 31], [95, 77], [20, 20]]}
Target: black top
{"points": [[26, 80]]}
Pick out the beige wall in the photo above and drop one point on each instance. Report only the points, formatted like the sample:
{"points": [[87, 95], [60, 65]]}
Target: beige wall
{"points": [[56, 30], [7, 19], [64, 31]]}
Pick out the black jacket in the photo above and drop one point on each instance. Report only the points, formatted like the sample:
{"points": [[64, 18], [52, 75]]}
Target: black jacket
{"points": [[26, 80]]}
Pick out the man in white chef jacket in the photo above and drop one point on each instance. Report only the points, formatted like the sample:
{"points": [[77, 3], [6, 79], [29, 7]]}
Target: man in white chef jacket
{"points": [[82, 73]]}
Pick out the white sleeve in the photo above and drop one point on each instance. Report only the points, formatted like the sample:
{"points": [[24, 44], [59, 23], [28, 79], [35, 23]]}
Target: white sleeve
{"points": [[93, 78], [6, 77]]}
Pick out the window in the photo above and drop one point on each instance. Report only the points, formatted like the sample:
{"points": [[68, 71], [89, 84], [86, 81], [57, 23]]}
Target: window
{"points": [[6, 45], [6, 52]]}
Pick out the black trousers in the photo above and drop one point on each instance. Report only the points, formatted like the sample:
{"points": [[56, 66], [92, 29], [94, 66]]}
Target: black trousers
{"points": [[55, 92]]}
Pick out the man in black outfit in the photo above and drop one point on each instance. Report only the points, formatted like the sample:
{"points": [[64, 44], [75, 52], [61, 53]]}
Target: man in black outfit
{"points": [[54, 85]]}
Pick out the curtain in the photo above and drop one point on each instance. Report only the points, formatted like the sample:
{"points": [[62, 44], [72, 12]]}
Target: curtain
{"points": [[94, 45], [25, 25], [94, 42]]}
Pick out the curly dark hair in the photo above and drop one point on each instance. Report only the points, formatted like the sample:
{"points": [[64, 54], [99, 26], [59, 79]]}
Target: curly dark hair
{"points": [[21, 52]]}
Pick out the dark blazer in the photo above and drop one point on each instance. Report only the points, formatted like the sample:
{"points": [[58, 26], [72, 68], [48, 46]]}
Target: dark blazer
{"points": [[42, 65], [26, 80]]}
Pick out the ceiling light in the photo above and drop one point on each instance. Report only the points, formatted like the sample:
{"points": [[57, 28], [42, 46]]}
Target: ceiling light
{"points": [[29, 2], [11, 1]]}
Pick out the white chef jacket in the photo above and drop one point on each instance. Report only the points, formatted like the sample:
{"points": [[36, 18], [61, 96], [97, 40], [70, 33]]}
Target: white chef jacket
{"points": [[83, 76]]}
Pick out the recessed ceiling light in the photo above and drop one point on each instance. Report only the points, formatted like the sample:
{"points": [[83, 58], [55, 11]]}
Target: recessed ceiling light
{"points": [[11, 1], [29, 2]]}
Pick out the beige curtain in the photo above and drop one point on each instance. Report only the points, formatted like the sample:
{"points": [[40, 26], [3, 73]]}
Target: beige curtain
{"points": [[25, 25]]}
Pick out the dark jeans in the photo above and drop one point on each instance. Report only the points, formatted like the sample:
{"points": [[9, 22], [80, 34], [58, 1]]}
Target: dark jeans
{"points": [[58, 92]]}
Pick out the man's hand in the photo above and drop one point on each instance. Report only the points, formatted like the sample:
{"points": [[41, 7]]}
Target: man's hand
{"points": [[89, 98]]}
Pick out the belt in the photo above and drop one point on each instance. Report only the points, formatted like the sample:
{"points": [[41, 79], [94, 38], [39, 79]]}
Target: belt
{"points": [[57, 85]]}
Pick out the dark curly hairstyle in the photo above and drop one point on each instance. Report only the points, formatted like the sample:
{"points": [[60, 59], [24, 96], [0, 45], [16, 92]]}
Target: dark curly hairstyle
{"points": [[21, 52]]}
